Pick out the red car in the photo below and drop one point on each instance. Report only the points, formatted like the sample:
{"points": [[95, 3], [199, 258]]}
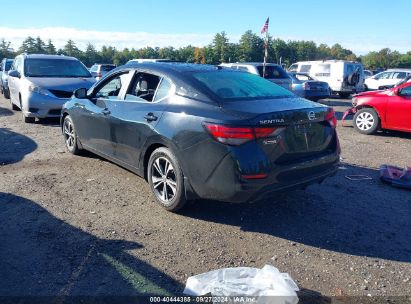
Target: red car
{"points": [[389, 109]]}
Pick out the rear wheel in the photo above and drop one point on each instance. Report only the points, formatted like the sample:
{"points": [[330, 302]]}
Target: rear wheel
{"points": [[166, 179], [70, 136], [366, 121]]}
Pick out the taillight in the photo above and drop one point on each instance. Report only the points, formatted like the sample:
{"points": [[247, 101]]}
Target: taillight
{"points": [[99, 75], [306, 86], [237, 135], [331, 118]]}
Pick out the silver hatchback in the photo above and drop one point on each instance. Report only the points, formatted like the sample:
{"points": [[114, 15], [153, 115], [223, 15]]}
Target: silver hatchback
{"points": [[40, 84]]}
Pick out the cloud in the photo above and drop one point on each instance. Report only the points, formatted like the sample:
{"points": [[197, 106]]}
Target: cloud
{"points": [[60, 35]]}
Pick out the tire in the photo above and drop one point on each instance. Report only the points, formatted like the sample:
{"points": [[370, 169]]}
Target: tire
{"points": [[28, 119], [70, 136], [366, 121], [6, 94], [344, 95], [166, 179]]}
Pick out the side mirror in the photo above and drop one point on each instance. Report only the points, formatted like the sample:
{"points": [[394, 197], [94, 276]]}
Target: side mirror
{"points": [[14, 73], [80, 93], [397, 91]]}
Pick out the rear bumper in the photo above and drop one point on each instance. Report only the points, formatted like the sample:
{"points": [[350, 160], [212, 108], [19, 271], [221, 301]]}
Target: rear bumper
{"points": [[228, 186]]}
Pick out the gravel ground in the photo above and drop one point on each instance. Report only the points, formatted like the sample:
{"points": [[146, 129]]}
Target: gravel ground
{"points": [[80, 225]]}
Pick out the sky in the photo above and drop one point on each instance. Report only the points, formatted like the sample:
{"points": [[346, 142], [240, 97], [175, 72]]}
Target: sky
{"points": [[359, 25]]}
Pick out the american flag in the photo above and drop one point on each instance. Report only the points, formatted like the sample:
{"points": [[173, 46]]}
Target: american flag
{"points": [[265, 26]]}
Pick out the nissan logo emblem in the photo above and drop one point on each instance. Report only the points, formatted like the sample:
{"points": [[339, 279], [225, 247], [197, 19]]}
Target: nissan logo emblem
{"points": [[311, 115]]}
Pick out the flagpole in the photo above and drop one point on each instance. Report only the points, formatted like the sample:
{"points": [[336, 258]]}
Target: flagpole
{"points": [[265, 28], [265, 52]]}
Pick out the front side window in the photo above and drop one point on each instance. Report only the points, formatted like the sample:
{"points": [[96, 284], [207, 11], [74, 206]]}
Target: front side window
{"points": [[231, 86], [384, 75], [293, 68], [8, 65], [143, 87], [112, 88], [406, 91], [35, 67]]}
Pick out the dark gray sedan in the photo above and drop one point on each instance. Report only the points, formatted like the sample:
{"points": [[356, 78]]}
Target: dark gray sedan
{"points": [[198, 131], [305, 86]]}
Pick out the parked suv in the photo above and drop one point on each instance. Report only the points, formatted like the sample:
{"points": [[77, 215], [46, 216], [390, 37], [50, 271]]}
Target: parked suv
{"points": [[273, 72], [40, 84], [4, 68], [99, 70], [386, 79]]}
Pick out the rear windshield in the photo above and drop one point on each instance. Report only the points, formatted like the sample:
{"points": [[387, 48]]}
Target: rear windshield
{"points": [[107, 68], [232, 85], [55, 68], [272, 72], [8, 65]]}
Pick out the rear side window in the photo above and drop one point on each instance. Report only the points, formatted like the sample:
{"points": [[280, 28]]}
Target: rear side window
{"points": [[94, 68], [399, 75], [163, 90], [272, 72], [323, 70], [233, 86], [305, 68]]}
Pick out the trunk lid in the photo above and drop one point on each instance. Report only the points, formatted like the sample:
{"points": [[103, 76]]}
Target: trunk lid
{"points": [[301, 128]]}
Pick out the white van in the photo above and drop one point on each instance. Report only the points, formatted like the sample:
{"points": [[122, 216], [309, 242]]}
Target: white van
{"points": [[343, 77], [273, 72]]}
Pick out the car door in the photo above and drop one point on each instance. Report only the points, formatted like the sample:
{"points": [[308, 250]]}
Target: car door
{"points": [[398, 114], [134, 118], [93, 116], [14, 82]]}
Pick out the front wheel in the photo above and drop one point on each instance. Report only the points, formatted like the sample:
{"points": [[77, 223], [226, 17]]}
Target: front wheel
{"points": [[70, 136], [166, 179], [366, 121]]}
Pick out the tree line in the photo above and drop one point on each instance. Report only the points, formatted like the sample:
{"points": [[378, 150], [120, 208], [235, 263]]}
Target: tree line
{"points": [[249, 48]]}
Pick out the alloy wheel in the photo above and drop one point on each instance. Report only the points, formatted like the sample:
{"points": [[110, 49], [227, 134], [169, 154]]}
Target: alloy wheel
{"points": [[365, 121], [69, 134], [164, 179]]}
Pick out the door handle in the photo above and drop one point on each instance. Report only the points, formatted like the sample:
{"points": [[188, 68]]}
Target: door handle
{"points": [[150, 117], [105, 112]]}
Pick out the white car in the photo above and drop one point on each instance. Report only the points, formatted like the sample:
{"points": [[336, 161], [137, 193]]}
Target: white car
{"points": [[343, 77], [385, 79]]}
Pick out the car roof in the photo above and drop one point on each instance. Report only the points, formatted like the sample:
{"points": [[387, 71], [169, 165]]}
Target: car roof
{"points": [[250, 63], [44, 56], [398, 70], [172, 67]]}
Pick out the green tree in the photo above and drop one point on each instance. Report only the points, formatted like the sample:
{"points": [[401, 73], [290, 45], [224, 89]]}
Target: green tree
{"points": [[251, 47], [28, 46], [220, 47], [40, 46], [50, 48], [70, 49], [5, 50], [91, 55]]}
